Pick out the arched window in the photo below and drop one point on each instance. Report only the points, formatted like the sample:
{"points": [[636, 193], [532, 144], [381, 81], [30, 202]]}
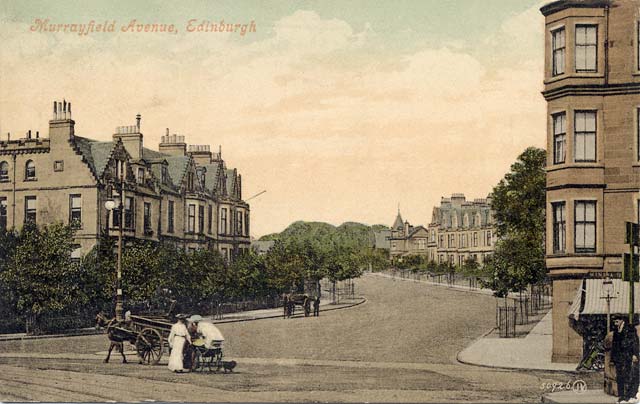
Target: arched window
{"points": [[465, 220], [478, 220], [454, 220], [4, 171], [30, 170]]}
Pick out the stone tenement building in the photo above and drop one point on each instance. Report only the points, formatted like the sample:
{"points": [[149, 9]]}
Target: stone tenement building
{"points": [[461, 230], [182, 195], [592, 89]]}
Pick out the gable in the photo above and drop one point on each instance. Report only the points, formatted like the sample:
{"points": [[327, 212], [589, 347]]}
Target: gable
{"points": [[419, 232]]}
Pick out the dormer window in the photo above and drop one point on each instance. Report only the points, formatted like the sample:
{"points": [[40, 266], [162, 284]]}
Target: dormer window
{"points": [[140, 175], [4, 171], [165, 174], [190, 181], [30, 171]]}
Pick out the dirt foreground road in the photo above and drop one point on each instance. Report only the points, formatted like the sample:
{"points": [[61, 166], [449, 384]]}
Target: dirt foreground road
{"points": [[399, 346]]}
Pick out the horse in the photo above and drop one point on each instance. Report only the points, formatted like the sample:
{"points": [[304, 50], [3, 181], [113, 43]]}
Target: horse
{"points": [[116, 338]]}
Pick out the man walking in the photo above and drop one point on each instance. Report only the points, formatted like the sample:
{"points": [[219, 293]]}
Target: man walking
{"points": [[624, 354], [316, 306]]}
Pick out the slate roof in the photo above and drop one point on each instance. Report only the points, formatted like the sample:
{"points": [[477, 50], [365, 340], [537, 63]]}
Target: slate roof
{"points": [[95, 153], [211, 179], [149, 154], [177, 168], [416, 229], [231, 182]]}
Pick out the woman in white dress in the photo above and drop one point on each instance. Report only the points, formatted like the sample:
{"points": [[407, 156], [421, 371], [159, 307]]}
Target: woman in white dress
{"points": [[177, 338]]}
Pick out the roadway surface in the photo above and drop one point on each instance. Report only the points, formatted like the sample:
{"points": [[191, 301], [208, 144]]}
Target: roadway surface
{"points": [[400, 346]]}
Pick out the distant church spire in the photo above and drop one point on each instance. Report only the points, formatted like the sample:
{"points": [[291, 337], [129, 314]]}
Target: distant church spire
{"points": [[398, 223]]}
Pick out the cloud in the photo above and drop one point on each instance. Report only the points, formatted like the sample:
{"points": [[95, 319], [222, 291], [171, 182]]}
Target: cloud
{"points": [[306, 113]]}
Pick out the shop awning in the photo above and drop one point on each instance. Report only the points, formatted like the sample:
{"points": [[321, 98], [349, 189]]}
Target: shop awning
{"points": [[589, 298]]}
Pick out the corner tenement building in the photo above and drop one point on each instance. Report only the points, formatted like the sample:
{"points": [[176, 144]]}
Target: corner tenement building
{"points": [[592, 89], [182, 195]]}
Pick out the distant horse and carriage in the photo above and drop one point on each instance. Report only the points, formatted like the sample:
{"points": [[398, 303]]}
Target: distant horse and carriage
{"points": [[305, 301]]}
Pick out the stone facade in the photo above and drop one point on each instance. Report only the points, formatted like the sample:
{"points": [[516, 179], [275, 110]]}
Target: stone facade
{"points": [[461, 230], [405, 239], [592, 89], [184, 196]]}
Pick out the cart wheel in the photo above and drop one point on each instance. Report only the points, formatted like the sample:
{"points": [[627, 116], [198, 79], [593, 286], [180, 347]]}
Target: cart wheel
{"points": [[149, 346]]}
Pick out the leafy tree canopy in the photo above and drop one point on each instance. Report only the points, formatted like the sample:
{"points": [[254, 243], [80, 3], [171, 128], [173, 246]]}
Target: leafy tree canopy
{"points": [[519, 205]]}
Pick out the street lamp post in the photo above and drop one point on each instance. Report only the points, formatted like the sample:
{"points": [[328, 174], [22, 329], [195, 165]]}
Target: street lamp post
{"points": [[607, 286], [111, 205]]}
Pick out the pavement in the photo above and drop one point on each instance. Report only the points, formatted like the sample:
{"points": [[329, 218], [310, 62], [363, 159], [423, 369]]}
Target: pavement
{"points": [[533, 352], [250, 315]]}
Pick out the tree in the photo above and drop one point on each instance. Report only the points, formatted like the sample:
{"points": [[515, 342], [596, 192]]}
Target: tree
{"points": [[99, 274], [205, 277], [375, 259], [142, 273], [8, 296], [519, 205], [250, 276], [41, 272], [283, 265]]}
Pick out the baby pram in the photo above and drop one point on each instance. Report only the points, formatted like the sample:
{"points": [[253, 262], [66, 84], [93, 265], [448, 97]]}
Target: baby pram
{"points": [[207, 358]]}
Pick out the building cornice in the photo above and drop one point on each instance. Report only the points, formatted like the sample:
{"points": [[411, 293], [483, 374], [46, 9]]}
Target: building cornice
{"points": [[592, 89], [560, 5], [576, 186]]}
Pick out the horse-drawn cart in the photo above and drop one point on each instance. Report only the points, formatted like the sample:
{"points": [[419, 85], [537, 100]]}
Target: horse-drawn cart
{"points": [[150, 337], [290, 301], [148, 334]]}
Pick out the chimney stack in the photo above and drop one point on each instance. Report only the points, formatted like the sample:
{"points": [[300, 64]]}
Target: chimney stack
{"points": [[173, 145], [131, 138], [200, 153], [61, 126]]}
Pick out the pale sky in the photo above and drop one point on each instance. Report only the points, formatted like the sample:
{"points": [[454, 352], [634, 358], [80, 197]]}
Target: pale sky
{"points": [[340, 110]]}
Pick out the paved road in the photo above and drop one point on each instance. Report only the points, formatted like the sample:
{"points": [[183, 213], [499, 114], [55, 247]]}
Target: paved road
{"points": [[399, 346]]}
